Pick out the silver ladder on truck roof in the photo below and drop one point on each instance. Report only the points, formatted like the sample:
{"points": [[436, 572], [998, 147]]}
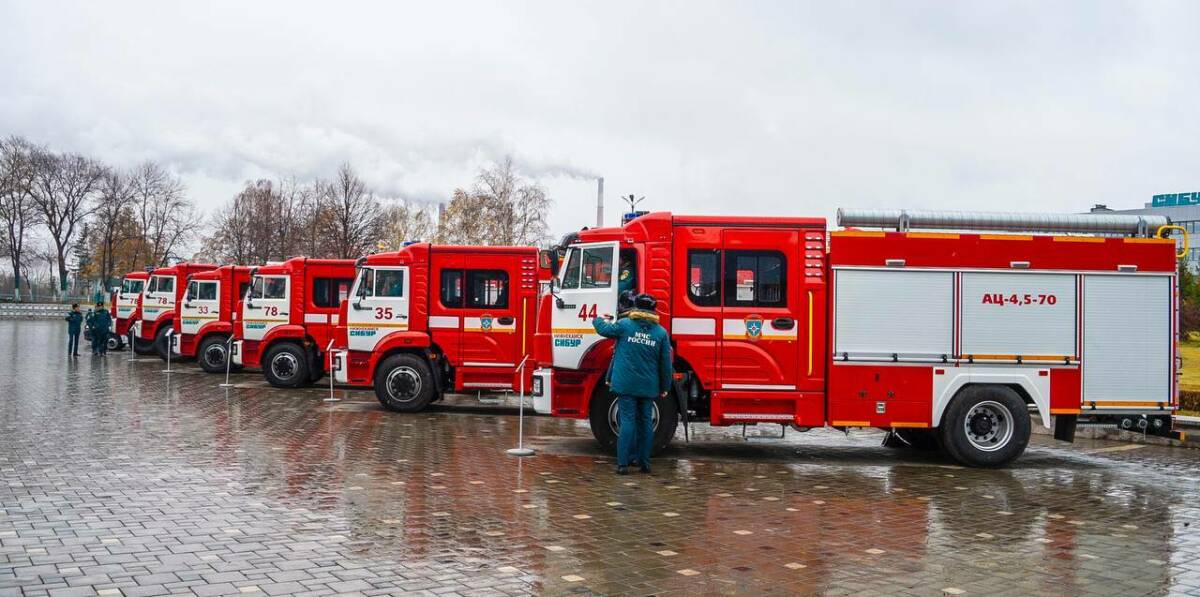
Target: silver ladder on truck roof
{"points": [[904, 220]]}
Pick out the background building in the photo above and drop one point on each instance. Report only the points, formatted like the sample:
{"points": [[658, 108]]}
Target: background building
{"points": [[1182, 208]]}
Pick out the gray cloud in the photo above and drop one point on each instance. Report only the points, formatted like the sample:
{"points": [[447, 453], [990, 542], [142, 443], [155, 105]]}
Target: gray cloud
{"points": [[758, 108]]}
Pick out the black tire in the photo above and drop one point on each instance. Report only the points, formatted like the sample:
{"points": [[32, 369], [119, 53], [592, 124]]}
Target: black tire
{"points": [[162, 343], [115, 342], [285, 365], [985, 426], [605, 428], [213, 353], [316, 368], [143, 347], [404, 383]]}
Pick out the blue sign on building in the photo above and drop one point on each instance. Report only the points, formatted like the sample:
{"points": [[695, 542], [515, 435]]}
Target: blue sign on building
{"points": [[1170, 199]]}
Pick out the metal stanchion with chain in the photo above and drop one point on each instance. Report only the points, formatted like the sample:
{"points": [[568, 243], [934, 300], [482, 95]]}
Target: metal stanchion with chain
{"points": [[170, 349], [329, 353], [228, 362], [521, 450]]}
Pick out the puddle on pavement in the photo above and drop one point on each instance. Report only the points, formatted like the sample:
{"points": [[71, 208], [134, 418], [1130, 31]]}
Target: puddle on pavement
{"points": [[107, 451]]}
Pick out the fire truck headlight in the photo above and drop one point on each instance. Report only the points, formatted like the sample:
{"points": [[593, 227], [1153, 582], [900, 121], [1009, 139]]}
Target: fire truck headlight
{"points": [[536, 390]]}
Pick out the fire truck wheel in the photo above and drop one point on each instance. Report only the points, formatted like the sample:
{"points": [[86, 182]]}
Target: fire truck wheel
{"points": [[114, 342], [603, 419], [162, 344], [985, 426], [143, 347], [403, 383], [286, 365], [212, 354]]}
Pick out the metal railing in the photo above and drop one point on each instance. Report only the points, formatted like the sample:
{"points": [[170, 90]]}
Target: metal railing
{"points": [[33, 311]]}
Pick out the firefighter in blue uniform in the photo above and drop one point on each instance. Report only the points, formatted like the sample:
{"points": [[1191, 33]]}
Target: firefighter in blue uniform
{"points": [[101, 326], [641, 372], [74, 323]]}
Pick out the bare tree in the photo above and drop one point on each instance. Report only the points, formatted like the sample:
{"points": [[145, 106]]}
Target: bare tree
{"points": [[63, 188], [464, 221], [501, 208], [405, 221], [350, 216], [163, 213], [109, 223], [266, 221], [18, 211]]}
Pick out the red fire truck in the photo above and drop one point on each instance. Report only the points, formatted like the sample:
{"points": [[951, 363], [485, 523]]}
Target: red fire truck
{"points": [[429, 319], [946, 337], [124, 307], [206, 315], [288, 318], [158, 300]]}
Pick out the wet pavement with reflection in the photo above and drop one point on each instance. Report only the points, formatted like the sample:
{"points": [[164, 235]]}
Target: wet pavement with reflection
{"points": [[119, 479]]}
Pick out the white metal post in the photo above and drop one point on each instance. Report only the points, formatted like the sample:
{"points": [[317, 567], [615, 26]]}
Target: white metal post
{"points": [[132, 352], [170, 349], [228, 362], [521, 450], [329, 353]]}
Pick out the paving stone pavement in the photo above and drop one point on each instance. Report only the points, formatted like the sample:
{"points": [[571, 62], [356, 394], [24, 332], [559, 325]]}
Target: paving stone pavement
{"points": [[120, 480]]}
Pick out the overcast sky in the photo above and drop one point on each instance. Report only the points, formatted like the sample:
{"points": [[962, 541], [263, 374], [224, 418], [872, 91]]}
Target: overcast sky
{"points": [[754, 108]]}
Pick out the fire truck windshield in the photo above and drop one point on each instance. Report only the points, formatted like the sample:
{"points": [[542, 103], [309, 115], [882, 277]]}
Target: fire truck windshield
{"points": [[162, 284], [131, 286]]}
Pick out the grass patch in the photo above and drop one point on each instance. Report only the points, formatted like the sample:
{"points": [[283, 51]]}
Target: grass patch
{"points": [[1190, 351]]}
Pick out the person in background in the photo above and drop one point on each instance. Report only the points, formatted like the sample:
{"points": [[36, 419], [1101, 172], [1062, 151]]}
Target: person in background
{"points": [[641, 372], [626, 276], [101, 327], [74, 326]]}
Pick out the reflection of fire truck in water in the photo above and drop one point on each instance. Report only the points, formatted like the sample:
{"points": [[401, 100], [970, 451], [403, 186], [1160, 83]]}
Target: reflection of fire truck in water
{"points": [[288, 317], [207, 313], [953, 337], [125, 307], [429, 319]]}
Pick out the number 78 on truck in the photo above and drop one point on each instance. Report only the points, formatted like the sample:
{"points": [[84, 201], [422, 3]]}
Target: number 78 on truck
{"points": [[960, 329]]}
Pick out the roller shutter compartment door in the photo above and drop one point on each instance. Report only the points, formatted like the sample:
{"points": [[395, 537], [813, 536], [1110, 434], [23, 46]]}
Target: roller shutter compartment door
{"points": [[1031, 315], [1126, 339], [909, 313]]}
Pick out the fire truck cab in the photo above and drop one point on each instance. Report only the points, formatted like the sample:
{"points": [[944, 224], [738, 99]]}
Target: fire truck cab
{"points": [[288, 318], [207, 312], [124, 307], [159, 298], [946, 338], [429, 319]]}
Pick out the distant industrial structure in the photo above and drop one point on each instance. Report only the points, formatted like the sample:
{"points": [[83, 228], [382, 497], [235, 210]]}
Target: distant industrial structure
{"points": [[1183, 209]]}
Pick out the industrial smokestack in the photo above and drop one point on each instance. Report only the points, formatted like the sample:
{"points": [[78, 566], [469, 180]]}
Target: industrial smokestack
{"points": [[600, 202]]}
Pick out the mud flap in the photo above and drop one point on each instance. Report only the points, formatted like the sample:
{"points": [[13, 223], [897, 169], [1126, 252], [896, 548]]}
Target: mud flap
{"points": [[681, 399], [1064, 427]]}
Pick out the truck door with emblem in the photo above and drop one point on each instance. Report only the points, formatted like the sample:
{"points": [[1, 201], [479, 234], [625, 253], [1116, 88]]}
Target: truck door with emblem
{"points": [[378, 306], [491, 327], [445, 308], [267, 305], [760, 326], [201, 304], [159, 299], [127, 297], [584, 289]]}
